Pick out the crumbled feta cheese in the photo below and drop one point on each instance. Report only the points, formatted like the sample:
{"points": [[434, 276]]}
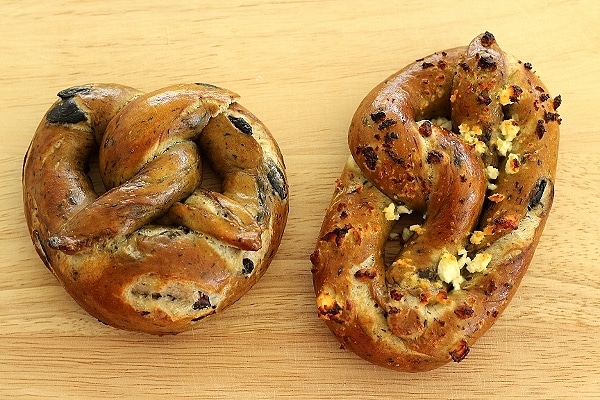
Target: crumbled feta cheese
{"points": [[508, 95], [393, 211], [470, 134], [491, 172], [479, 263], [509, 129], [449, 271], [406, 234], [480, 147], [503, 146], [496, 197], [443, 122], [416, 229], [492, 186], [477, 237], [449, 266], [513, 164]]}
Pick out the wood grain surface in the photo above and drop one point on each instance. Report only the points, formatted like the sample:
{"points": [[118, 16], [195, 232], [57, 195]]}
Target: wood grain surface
{"points": [[302, 67]]}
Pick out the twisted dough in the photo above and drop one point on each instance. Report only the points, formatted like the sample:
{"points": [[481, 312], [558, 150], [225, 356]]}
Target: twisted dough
{"points": [[156, 252], [484, 186]]}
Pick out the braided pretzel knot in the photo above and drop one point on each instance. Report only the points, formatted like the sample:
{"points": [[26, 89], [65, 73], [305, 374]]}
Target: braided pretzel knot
{"points": [[485, 189], [156, 252]]}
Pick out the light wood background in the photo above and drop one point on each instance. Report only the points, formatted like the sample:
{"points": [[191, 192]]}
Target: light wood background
{"points": [[302, 67]]}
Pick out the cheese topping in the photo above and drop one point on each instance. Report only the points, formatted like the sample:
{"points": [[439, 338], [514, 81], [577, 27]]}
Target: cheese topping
{"points": [[392, 212], [509, 129], [513, 164], [449, 266], [477, 237]]}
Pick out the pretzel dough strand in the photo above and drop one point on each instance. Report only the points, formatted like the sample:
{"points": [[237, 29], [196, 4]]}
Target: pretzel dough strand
{"points": [[486, 189], [125, 256]]}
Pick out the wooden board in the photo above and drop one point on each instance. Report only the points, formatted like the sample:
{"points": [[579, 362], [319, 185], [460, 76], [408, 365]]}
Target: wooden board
{"points": [[302, 67]]}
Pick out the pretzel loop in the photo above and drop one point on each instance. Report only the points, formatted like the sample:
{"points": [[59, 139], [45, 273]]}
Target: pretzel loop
{"points": [[156, 252], [468, 138]]}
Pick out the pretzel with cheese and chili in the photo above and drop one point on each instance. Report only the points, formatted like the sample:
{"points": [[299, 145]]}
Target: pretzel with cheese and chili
{"points": [[156, 252], [468, 138]]}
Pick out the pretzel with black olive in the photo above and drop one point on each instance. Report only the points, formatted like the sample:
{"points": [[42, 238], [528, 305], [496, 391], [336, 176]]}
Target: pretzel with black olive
{"points": [[468, 138], [156, 252]]}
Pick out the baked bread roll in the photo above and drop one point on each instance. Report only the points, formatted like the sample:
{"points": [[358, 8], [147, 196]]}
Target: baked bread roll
{"points": [[156, 252], [467, 138]]}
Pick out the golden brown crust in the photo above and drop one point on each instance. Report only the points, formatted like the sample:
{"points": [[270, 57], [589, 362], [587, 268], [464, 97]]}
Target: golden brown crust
{"points": [[156, 252], [484, 187]]}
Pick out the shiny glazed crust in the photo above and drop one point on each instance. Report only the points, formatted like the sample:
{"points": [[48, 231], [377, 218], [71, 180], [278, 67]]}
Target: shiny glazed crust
{"points": [[156, 252], [484, 186]]}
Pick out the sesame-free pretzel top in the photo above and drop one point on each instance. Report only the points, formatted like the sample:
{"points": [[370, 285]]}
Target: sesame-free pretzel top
{"points": [[467, 137], [156, 252]]}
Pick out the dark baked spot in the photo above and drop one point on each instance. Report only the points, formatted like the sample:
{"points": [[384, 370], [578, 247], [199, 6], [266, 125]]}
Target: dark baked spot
{"points": [[66, 112], [396, 295], [73, 91], [378, 116], [550, 116], [464, 66], [394, 157], [337, 235], [537, 193], [241, 124], [557, 102], [464, 311], [277, 180], [386, 124], [370, 157], [202, 302], [516, 93], [540, 129], [487, 63], [315, 257], [425, 129], [460, 352], [434, 157], [365, 274], [487, 39], [426, 65], [484, 98], [247, 266], [528, 66]]}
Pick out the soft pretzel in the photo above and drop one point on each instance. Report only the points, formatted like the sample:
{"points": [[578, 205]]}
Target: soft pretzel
{"points": [[156, 252], [483, 183]]}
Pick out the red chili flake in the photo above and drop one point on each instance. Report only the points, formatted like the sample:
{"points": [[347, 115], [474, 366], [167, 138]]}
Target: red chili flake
{"points": [[396, 295], [507, 222], [425, 297], [516, 93], [557, 102], [337, 235], [464, 312], [442, 64], [426, 65], [464, 66], [463, 178], [528, 66], [540, 129], [544, 97], [365, 274], [487, 39], [434, 157], [460, 352]]}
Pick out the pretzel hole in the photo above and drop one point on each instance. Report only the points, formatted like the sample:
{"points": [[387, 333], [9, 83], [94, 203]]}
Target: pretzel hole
{"points": [[210, 179], [398, 236], [94, 175]]}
